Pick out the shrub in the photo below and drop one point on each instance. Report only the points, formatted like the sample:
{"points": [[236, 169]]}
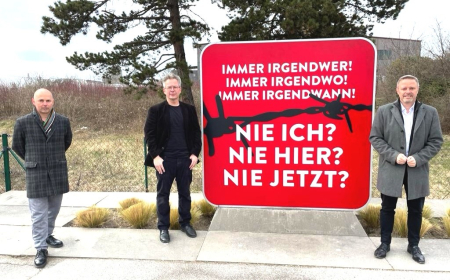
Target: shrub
{"points": [[205, 208], [92, 217], [139, 214], [174, 216], [426, 226], [446, 222], [400, 223], [195, 215], [371, 215], [427, 212], [174, 224], [126, 203]]}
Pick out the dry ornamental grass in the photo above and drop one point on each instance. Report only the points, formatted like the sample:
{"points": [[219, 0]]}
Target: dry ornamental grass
{"points": [[138, 215], [92, 217]]}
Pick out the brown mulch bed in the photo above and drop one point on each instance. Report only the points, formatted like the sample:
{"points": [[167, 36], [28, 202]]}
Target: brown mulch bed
{"points": [[115, 221], [437, 232]]}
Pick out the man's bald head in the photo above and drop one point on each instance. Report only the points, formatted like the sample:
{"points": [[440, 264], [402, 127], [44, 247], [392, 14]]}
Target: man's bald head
{"points": [[41, 91], [43, 102]]}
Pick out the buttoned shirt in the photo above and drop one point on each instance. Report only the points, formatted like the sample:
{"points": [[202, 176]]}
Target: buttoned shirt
{"points": [[408, 118]]}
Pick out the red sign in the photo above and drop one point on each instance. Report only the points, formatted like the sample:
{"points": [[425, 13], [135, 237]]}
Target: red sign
{"points": [[287, 123]]}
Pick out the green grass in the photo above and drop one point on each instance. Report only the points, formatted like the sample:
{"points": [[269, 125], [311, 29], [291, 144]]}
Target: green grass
{"points": [[6, 126]]}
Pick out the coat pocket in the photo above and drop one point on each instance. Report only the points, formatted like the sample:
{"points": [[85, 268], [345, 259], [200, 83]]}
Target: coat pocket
{"points": [[30, 164]]}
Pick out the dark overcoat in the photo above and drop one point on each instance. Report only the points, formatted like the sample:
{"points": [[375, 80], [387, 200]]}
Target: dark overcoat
{"points": [[388, 138], [157, 130], [44, 155]]}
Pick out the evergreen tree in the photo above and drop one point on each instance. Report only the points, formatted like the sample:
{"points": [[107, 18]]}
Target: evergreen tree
{"points": [[303, 19], [139, 61]]}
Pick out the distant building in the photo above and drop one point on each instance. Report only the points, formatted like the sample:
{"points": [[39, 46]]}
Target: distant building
{"points": [[391, 49]]}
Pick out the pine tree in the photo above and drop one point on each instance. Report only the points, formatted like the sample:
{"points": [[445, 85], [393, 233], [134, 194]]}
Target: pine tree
{"points": [[140, 60], [304, 19]]}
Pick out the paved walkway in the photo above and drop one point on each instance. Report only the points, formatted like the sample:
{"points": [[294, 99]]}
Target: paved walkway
{"points": [[241, 244]]}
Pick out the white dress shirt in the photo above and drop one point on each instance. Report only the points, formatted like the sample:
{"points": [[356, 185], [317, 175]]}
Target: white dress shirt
{"points": [[408, 118]]}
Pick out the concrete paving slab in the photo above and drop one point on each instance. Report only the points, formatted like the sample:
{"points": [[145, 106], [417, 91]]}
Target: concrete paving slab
{"points": [[70, 199], [14, 198], [436, 252], [125, 244], [290, 249], [20, 215], [15, 240], [286, 221], [13, 268], [112, 199], [82, 199], [120, 269]]}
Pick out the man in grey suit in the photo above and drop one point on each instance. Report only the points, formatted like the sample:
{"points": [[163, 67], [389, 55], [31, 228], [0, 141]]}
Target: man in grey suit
{"points": [[41, 139], [406, 134]]}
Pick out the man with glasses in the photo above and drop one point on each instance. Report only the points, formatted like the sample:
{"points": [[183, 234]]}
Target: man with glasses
{"points": [[173, 137]]}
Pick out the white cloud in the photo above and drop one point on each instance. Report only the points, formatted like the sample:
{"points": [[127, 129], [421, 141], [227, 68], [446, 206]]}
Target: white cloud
{"points": [[25, 51]]}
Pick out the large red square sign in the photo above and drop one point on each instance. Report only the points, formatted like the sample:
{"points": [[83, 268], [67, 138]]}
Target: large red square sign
{"points": [[286, 123]]}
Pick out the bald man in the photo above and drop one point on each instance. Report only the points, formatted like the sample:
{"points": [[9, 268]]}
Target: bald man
{"points": [[41, 140]]}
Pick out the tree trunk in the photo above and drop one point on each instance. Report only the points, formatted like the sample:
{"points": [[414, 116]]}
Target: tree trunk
{"points": [[180, 56]]}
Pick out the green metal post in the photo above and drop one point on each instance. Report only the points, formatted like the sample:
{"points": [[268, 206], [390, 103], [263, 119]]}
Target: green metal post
{"points": [[17, 159], [6, 162], [145, 168]]}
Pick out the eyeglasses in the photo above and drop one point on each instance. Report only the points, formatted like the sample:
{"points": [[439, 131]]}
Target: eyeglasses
{"points": [[171, 87]]}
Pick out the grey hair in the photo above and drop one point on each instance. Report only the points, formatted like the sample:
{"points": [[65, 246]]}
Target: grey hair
{"points": [[408, 77], [171, 76]]}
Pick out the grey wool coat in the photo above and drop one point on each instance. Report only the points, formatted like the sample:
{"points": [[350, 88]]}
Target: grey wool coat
{"points": [[44, 155], [388, 138]]}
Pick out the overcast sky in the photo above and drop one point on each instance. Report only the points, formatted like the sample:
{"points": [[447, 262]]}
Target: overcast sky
{"points": [[27, 52]]}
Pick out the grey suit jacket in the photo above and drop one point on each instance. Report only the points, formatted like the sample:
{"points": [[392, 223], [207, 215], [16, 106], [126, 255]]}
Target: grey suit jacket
{"points": [[45, 158], [388, 138]]}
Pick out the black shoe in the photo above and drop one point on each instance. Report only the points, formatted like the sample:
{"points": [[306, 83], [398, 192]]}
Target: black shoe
{"points": [[381, 251], [164, 236], [416, 254], [53, 242], [41, 258], [189, 230]]}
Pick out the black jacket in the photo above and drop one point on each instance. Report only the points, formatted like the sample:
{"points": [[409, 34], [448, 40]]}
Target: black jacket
{"points": [[157, 130]]}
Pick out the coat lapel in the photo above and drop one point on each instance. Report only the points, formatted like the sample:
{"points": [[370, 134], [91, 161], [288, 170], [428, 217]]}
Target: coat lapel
{"points": [[396, 114], [38, 121], [419, 119]]}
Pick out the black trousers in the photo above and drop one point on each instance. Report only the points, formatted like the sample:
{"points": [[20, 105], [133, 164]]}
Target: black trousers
{"points": [[175, 169], [387, 212]]}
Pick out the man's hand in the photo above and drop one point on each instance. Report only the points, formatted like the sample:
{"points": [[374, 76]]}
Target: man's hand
{"points": [[411, 161], [401, 159], [194, 160], [158, 163]]}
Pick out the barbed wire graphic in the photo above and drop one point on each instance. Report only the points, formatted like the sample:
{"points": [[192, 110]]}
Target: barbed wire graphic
{"points": [[221, 125]]}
